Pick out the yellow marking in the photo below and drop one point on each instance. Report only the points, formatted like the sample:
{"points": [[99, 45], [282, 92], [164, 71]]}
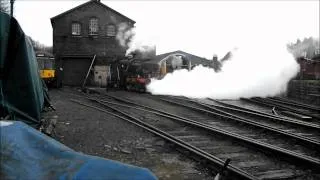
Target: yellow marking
{"points": [[47, 73]]}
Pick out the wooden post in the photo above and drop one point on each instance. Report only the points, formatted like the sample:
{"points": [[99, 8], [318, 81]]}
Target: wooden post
{"points": [[85, 79]]}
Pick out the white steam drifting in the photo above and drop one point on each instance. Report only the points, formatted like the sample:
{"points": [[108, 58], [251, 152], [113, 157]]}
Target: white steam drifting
{"points": [[124, 34], [128, 38], [254, 70]]}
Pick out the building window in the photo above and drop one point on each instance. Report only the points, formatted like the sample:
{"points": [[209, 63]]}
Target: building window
{"points": [[111, 30], [76, 29], [93, 26]]}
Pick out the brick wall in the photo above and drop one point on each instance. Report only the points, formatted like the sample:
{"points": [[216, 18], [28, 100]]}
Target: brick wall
{"points": [[69, 50], [101, 44], [309, 69]]}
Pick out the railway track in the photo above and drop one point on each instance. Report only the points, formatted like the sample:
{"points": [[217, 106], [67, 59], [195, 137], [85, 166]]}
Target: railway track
{"points": [[295, 104], [292, 126], [255, 109], [287, 108], [274, 127], [251, 159]]}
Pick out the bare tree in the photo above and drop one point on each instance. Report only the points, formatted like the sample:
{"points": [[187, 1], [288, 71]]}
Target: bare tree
{"points": [[37, 46], [306, 47]]}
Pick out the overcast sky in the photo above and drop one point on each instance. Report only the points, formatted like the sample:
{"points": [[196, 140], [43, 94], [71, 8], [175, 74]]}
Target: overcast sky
{"points": [[203, 28]]}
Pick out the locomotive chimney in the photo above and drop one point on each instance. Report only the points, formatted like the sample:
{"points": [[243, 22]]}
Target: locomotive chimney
{"points": [[215, 57]]}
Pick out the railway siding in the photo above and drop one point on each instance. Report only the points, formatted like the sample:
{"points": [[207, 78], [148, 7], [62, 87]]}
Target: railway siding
{"points": [[211, 136], [190, 135]]}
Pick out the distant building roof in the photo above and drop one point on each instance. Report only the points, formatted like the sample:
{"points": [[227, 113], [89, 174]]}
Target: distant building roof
{"points": [[43, 54], [193, 58], [89, 2], [316, 55], [315, 59]]}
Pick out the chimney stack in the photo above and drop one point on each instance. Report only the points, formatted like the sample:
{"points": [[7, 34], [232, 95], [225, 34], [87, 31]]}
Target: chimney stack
{"points": [[215, 57]]}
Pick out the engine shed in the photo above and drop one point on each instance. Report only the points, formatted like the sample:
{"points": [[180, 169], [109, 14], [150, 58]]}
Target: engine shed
{"points": [[82, 33]]}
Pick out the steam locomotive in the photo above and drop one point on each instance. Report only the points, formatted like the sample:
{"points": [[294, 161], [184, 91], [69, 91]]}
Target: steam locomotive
{"points": [[134, 74]]}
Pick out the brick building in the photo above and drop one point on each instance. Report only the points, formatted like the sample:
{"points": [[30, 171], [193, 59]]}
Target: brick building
{"points": [[309, 68], [83, 32]]}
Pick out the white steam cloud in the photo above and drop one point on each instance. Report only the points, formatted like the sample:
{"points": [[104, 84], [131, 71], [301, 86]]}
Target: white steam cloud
{"points": [[259, 69], [124, 34], [127, 38]]}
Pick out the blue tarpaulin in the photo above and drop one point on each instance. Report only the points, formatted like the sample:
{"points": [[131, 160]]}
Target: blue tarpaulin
{"points": [[28, 154]]}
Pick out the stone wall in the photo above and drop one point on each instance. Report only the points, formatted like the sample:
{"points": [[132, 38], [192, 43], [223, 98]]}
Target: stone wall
{"points": [[307, 91]]}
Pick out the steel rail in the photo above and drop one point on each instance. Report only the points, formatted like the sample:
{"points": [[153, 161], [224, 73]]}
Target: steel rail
{"points": [[292, 135], [309, 108], [209, 157], [233, 117], [282, 151], [284, 106], [255, 112], [281, 107], [265, 115], [297, 103]]}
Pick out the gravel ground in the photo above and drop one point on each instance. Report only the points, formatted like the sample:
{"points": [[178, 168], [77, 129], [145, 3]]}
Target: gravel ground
{"points": [[93, 132]]}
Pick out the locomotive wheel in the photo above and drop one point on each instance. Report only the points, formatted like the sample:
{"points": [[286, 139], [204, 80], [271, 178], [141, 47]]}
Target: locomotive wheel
{"points": [[142, 90]]}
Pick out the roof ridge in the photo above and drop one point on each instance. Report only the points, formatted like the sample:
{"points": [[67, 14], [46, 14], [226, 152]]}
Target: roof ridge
{"points": [[177, 51], [86, 3]]}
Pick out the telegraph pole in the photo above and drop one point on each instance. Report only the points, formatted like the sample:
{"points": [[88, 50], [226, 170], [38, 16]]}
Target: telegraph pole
{"points": [[11, 7]]}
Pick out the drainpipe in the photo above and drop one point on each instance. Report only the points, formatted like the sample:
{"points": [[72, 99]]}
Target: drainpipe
{"points": [[11, 7]]}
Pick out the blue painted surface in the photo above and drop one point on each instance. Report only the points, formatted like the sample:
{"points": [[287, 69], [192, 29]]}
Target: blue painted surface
{"points": [[28, 154]]}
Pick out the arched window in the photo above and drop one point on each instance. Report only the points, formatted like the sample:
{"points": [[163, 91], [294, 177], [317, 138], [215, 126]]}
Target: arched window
{"points": [[93, 26], [76, 29], [111, 30]]}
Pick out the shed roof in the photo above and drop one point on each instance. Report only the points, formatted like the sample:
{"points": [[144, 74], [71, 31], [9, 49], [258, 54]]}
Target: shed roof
{"points": [[193, 58], [87, 3], [316, 57], [43, 53]]}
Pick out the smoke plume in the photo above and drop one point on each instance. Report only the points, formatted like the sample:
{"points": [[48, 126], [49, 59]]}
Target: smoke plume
{"points": [[128, 39], [262, 69], [125, 34]]}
